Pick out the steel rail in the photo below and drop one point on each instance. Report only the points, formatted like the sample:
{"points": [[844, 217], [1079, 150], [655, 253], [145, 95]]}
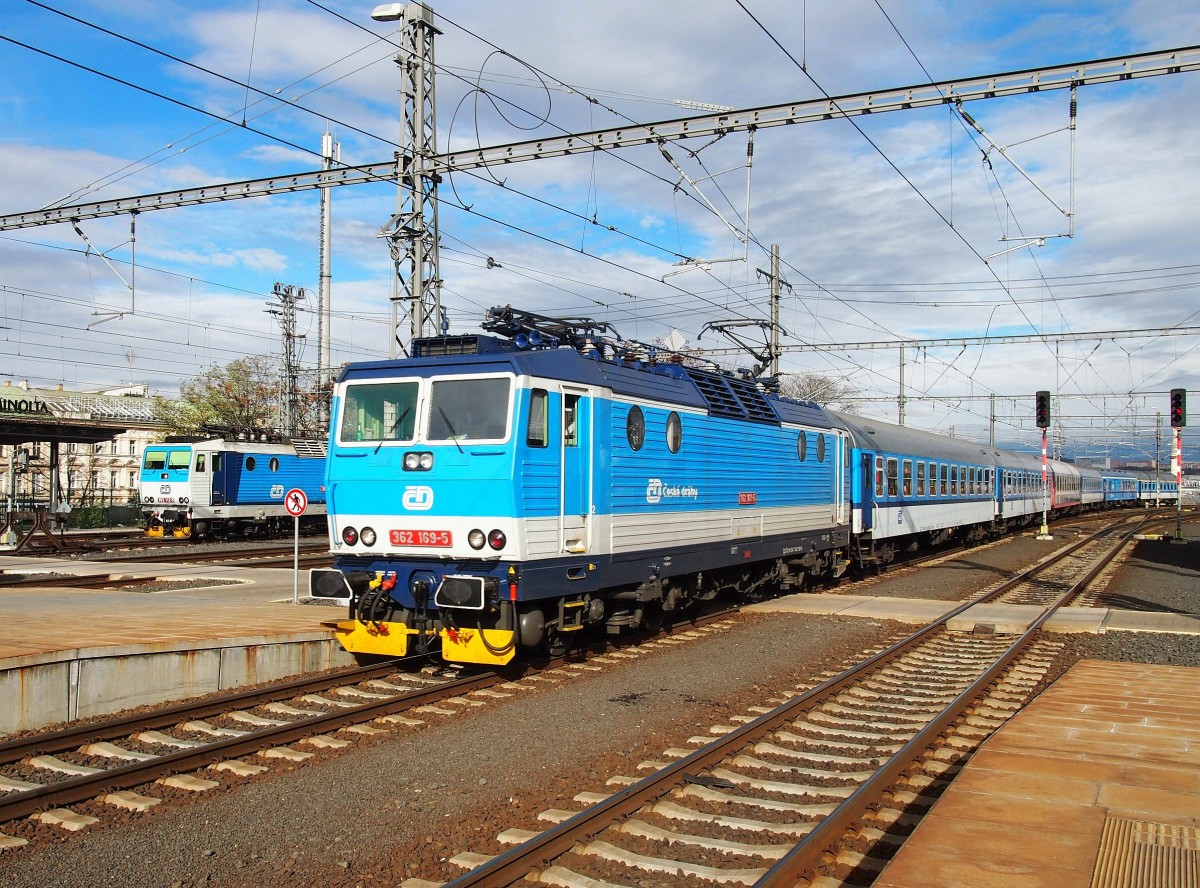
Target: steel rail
{"points": [[109, 729], [65, 792], [514, 865], [78, 789], [822, 842]]}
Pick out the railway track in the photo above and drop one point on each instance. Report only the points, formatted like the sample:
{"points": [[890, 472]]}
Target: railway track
{"points": [[192, 745], [821, 788]]}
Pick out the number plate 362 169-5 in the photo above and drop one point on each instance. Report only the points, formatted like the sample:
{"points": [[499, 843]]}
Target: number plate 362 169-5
{"points": [[436, 538]]}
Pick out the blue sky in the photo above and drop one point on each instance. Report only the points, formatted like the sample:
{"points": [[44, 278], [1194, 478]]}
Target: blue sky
{"points": [[881, 239]]}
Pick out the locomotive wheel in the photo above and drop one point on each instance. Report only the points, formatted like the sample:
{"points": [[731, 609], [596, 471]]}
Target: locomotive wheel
{"points": [[652, 616], [558, 644]]}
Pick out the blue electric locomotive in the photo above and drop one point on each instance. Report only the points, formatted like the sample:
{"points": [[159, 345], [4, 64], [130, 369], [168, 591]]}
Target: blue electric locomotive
{"points": [[490, 494], [192, 487]]}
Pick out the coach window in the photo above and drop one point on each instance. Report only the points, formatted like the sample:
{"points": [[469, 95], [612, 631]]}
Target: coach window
{"points": [[820, 448], [802, 446], [908, 477], [920, 479], [200, 461], [971, 485], [954, 480], [893, 476], [879, 476], [539, 412], [674, 432]]}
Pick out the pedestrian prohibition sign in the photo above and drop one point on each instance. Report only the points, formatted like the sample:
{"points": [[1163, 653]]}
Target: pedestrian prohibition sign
{"points": [[296, 501]]}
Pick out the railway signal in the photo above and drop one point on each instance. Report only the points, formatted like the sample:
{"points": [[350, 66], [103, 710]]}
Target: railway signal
{"points": [[1041, 410], [1178, 408]]}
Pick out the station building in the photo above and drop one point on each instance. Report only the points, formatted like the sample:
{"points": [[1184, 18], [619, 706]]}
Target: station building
{"points": [[79, 448]]}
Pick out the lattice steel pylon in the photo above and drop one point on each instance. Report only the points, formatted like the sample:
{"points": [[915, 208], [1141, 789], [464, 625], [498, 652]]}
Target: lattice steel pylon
{"points": [[412, 233]]}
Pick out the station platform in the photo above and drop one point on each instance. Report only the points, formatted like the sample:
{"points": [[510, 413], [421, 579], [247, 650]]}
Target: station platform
{"points": [[68, 653], [1095, 784]]}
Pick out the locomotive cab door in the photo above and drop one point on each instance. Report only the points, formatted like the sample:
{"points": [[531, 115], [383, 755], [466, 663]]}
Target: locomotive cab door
{"points": [[219, 478], [841, 462], [201, 478], [575, 482]]}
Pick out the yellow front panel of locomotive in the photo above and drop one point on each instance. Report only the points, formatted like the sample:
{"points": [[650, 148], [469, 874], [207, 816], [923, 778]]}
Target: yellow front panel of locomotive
{"points": [[381, 639], [467, 646]]}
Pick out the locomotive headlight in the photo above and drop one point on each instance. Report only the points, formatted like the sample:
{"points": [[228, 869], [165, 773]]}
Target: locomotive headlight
{"points": [[418, 461], [349, 536], [476, 539], [497, 539], [367, 536]]}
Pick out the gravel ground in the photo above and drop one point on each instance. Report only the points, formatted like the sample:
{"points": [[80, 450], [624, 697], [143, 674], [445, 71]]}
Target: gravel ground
{"points": [[400, 804]]}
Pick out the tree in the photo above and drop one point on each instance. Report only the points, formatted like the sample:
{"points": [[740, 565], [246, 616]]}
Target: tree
{"points": [[836, 394], [242, 396]]}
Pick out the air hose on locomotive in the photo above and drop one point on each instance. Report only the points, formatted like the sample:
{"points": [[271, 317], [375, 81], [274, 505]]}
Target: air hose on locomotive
{"points": [[372, 606], [448, 619]]}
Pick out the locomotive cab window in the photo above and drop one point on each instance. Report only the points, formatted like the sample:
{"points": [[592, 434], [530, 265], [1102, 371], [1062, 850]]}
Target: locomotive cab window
{"points": [[178, 459], [378, 412], [468, 409], [201, 461], [154, 460], [538, 434]]}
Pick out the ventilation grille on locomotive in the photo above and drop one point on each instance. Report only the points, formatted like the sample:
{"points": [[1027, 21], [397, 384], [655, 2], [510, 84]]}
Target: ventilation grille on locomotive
{"points": [[733, 397], [309, 449]]}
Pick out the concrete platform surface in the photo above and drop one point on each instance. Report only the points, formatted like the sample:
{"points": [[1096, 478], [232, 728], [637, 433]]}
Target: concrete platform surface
{"points": [[242, 602], [74, 653], [1095, 783], [1005, 617]]}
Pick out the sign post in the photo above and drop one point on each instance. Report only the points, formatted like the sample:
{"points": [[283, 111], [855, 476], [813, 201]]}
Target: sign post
{"points": [[296, 501]]}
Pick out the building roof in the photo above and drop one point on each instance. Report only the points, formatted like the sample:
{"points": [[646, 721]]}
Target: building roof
{"points": [[33, 414]]}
